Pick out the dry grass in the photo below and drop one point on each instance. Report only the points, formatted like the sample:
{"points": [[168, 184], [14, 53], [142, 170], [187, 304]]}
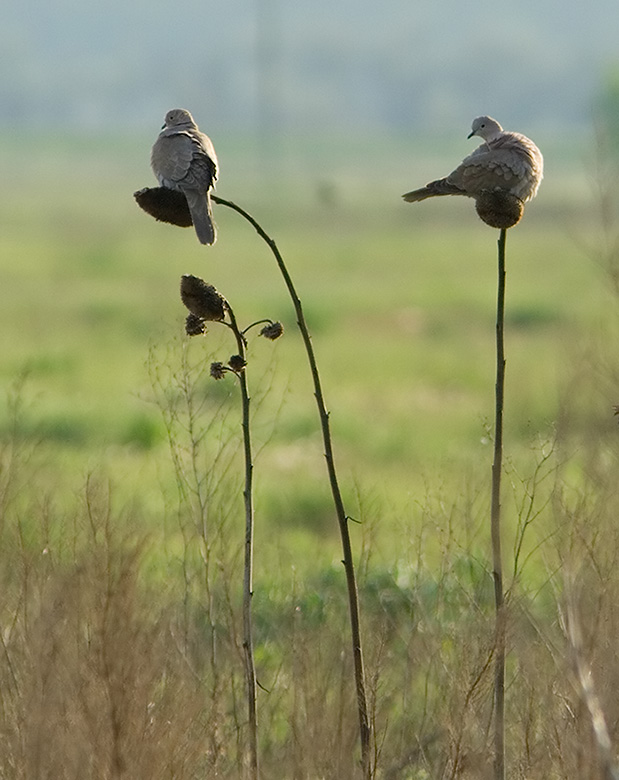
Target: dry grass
{"points": [[112, 668], [122, 653]]}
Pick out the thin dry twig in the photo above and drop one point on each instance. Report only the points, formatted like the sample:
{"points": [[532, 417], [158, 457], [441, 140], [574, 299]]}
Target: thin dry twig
{"points": [[584, 680]]}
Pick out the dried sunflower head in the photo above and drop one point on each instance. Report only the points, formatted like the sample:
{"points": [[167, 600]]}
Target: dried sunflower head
{"points": [[202, 299], [499, 208]]}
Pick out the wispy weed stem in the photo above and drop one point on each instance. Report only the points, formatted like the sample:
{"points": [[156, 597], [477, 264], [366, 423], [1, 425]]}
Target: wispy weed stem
{"points": [[584, 679]]}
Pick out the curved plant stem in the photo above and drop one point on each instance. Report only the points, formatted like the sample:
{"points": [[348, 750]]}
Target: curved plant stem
{"points": [[248, 648], [257, 322], [342, 517], [495, 525]]}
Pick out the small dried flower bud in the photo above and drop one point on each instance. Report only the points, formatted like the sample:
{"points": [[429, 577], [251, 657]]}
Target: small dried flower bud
{"points": [[164, 205], [202, 299], [499, 208], [218, 370], [194, 326], [237, 363], [272, 331], [616, 409]]}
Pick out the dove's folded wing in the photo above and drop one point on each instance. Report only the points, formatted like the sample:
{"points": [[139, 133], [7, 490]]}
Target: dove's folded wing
{"points": [[171, 157]]}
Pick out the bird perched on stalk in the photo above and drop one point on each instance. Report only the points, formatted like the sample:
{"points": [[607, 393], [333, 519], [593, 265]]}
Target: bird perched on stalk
{"points": [[184, 159], [506, 161]]}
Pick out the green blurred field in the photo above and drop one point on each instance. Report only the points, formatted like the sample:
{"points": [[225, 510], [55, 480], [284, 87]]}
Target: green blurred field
{"points": [[400, 301]]}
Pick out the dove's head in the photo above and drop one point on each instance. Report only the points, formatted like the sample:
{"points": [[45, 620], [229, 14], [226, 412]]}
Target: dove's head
{"points": [[485, 127], [178, 116]]}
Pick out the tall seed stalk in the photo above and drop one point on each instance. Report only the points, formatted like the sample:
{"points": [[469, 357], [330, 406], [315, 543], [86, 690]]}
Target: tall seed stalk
{"points": [[206, 304], [495, 524], [342, 517], [499, 209], [170, 206], [248, 588]]}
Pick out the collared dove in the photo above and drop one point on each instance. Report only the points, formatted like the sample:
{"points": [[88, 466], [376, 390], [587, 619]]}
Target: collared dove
{"points": [[505, 161], [184, 159]]}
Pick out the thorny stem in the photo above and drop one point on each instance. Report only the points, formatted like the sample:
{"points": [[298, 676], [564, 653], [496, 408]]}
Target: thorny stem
{"points": [[495, 525], [342, 517], [248, 648]]}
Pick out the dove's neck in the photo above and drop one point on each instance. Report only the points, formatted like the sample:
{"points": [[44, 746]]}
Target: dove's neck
{"points": [[492, 136], [179, 128]]}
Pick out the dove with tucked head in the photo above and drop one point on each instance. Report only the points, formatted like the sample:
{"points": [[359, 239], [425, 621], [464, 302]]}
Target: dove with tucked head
{"points": [[505, 161], [184, 159]]}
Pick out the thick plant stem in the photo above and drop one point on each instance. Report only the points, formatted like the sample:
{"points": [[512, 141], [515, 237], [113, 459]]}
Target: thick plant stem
{"points": [[342, 517], [495, 525], [248, 647]]}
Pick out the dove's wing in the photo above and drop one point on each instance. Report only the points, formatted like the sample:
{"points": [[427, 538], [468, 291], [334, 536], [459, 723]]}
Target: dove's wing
{"points": [[185, 160], [483, 172], [171, 157], [509, 162]]}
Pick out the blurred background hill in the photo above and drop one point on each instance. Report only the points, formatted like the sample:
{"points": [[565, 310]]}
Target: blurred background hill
{"points": [[307, 67], [331, 97]]}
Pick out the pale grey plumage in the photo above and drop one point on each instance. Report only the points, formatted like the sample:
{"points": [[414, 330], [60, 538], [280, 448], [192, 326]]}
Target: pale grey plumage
{"points": [[184, 159], [505, 161]]}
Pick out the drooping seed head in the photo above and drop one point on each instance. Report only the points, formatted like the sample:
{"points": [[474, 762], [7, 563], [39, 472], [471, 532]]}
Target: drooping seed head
{"points": [[164, 205], [202, 299], [272, 331], [237, 363], [194, 326], [218, 370]]}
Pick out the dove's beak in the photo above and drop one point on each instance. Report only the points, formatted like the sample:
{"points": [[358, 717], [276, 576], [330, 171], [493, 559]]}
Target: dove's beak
{"points": [[471, 134]]}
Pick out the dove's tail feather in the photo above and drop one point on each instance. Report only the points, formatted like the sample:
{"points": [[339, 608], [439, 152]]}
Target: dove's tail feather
{"points": [[432, 190], [201, 214]]}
